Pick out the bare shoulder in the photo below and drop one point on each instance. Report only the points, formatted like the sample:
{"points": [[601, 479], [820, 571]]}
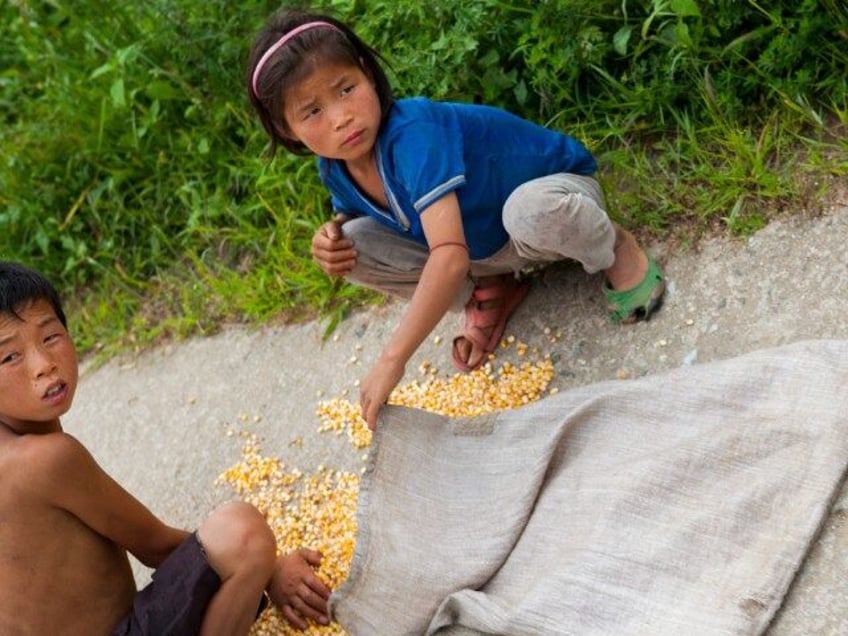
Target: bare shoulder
{"points": [[38, 462], [51, 447], [51, 471], [43, 538], [38, 471]]}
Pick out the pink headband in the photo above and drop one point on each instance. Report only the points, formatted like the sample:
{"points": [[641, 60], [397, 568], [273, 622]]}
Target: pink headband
{"points": [[279, 44]]}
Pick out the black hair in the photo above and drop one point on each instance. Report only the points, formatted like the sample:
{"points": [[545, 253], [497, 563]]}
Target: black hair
{"points": [[296, 59], [20, 285]]}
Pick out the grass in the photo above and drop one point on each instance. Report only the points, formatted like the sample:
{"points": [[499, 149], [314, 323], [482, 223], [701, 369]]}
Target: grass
{"points": [[134, 175], [677, 188]]}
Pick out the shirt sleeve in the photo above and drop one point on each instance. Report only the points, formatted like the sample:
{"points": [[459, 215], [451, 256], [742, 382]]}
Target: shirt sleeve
{"points": [[428, 160]]}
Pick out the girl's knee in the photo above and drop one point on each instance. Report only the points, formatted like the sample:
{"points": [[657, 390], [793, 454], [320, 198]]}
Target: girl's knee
{"points": [[552, 191], [364, 231], [237, 537], [551, 205]]}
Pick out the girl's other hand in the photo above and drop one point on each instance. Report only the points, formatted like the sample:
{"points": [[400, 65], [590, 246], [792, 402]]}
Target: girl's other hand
{"points": [[332, 251]]}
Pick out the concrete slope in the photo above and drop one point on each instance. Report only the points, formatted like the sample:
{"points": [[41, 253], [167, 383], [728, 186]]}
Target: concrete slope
{"points": [[158, 422]]}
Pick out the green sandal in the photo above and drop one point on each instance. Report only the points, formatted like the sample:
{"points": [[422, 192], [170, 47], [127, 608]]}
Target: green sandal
{"points": [[637, 303]]}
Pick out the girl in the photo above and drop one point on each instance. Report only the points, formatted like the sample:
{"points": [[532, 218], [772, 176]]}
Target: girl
{"points": [[443, 204]]}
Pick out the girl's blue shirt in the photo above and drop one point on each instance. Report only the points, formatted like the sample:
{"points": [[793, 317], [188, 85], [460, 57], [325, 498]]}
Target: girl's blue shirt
{"points": [[426, 149]]}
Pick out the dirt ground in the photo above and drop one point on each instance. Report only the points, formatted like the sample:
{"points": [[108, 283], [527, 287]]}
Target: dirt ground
{"points": [[158, 422]]}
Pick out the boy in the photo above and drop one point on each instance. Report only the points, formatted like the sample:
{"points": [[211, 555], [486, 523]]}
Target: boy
{"points": [[65, 525]]}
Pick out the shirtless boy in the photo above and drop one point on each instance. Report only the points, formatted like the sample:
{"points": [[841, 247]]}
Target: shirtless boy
{"points": [[66, 526]]}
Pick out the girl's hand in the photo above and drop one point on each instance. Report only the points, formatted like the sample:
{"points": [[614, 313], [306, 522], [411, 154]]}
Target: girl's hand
{"points": [[332, 251], [297, 590], [375, 389]]}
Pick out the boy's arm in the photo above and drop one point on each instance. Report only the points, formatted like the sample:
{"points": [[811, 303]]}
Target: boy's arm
{"points": [[75, 482], [441, 280]]}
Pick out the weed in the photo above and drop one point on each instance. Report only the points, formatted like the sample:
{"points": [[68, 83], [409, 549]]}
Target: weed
{"points": [[134, 174]]}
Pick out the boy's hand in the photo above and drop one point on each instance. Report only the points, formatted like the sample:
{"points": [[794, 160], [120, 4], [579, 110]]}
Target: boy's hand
{"points": [[332, 251], [297, 590]]}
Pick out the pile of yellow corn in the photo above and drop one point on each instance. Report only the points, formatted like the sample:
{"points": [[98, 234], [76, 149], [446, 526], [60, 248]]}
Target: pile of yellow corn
{"points": [[319, 510]]}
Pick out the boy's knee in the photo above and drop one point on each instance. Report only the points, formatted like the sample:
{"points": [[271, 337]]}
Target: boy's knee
{"points": [[236, 537]]}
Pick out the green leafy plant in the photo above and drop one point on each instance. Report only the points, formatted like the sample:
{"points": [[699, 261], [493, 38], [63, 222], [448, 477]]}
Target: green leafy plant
{"points": [[134, 174]]}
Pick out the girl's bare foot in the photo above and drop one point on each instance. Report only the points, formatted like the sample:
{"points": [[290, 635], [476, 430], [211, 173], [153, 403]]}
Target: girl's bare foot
{"points": [[635, 283], [631, 262]]}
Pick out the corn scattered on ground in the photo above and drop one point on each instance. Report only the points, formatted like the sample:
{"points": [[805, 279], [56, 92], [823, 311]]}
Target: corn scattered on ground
{"points": [[319, 510]]}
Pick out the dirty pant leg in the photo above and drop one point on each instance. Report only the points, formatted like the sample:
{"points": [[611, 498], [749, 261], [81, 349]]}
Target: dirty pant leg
{"points": [[558, 217], [389, 262]]}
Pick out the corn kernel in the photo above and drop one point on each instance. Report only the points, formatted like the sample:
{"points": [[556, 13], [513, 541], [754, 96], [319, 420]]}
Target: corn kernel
{"points": [[319, 510]]}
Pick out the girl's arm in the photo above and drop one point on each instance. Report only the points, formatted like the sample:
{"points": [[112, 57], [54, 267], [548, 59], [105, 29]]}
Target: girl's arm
{"points": [[75, 482], [441, 280]]}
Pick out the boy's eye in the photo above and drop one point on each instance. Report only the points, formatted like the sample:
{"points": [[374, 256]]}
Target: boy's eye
{"points": [[347, 89], [312, 112]]}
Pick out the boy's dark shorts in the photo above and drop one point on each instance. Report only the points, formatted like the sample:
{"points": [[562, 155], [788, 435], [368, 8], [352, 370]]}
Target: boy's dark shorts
{"points": [[175, 601]]}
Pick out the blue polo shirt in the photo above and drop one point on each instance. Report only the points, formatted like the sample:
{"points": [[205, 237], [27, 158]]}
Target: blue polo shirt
{"points": [[426, 149]]}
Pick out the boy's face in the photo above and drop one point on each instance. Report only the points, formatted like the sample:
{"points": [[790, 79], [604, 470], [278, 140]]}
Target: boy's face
{"points": [[38, 369]]}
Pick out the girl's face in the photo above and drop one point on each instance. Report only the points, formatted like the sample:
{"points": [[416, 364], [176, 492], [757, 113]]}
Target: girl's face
{"points": [[335, 112]]}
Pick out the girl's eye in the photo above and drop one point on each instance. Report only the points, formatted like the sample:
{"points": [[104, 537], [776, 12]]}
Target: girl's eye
{"points": [[347, 89], [8, 359], [312, 112]]}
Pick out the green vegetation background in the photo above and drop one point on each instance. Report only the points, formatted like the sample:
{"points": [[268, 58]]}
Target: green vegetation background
{"points": [[134, 174]]}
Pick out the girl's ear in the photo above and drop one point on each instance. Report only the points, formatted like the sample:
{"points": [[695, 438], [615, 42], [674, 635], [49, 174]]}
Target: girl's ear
{"points": [[283, 131], [367, 71]]}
